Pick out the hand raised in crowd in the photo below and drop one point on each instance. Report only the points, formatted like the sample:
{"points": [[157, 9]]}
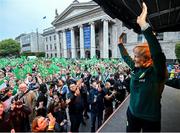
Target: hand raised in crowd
{"points": [[141, 20], [68, 101], [77, 92], [120, 40], [52, 121]]}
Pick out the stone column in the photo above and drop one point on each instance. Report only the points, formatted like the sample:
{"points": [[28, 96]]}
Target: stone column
{"points": [[58, 44], [64, 44], [73, 48], [82, 52], [105, 39], [93, 47], [114, 36]]}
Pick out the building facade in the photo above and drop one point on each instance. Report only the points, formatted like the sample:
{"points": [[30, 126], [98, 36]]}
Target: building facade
{"points": [[85, 30], [32, 42], [51, 43]]}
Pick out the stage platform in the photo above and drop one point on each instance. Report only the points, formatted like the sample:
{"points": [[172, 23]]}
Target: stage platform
{"points": [[170, 114]]}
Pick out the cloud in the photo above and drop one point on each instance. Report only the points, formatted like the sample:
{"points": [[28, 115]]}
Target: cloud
{"points": [[19, 16]]}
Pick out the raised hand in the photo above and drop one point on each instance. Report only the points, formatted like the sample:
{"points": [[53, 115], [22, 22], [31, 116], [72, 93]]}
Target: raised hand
{"points": [[141, 20], [120, 40]]}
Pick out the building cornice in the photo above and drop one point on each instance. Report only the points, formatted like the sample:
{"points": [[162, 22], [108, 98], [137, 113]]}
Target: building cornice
{"points": [[93, 15], [83, 14], [73, 6]]}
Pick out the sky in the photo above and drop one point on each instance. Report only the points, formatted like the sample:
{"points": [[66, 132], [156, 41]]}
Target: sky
{"points": [[25, 16]]}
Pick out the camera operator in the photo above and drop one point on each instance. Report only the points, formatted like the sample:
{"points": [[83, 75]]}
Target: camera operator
{"points": [[75, 104], [108, 100], [119, 88]]}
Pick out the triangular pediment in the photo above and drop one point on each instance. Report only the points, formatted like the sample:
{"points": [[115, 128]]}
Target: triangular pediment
{"points": [[75, 9]]}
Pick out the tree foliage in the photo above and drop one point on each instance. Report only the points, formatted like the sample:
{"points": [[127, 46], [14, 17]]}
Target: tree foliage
{"points": [[9, 47], [177, 50]]}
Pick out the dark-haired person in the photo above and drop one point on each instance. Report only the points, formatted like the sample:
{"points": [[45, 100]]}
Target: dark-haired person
{"points": [[41, 103], [58, 109], [174, 82], [148, 76], [76, 105], [5, 124], [19, 116], [96, 100]]}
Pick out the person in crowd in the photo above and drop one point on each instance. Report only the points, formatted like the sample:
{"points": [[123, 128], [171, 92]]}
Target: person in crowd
{"points": [[28, 97], [62, 89], [41, 103], [45, 124], [148, 76], [96, 100], [19, 116], [119, 88], [58, 109], [75, 105], [84, 91], [175, 83], [5, 124], [108, 100]]}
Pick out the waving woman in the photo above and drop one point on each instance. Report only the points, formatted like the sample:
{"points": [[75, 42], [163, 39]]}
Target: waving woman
{"points": [[148, 76]]}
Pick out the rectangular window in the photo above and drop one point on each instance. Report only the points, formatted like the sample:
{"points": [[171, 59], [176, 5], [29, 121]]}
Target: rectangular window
{"points": [[50, 38], [26, 45], [47, 47], [54, 37], [55, 46], [55, 54], [46, 39], [50, 46]]}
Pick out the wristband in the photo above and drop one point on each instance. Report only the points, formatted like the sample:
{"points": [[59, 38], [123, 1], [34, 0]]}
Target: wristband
{"points": [[50, 127], [144, 27]]}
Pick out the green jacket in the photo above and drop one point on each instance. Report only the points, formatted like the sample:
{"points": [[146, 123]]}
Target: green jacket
{"points": [[147, 84]]}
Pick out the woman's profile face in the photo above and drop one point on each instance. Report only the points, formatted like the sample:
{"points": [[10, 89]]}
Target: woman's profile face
{"points": [[139, 60]]}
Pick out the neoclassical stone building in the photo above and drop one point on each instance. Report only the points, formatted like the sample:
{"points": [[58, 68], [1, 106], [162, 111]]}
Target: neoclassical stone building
{"points": [[84, 30]]}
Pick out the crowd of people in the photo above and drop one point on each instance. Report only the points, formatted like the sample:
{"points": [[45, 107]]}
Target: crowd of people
{"points": [[63, 100], [59, 95]]}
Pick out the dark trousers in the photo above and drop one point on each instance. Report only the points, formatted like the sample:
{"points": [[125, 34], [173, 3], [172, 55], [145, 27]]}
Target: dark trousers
{"points": [[135, 124], [76, 120], [108, 112], [99, 117]]}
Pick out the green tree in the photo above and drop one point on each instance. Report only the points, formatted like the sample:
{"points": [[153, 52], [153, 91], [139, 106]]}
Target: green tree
{"points": [[177, 50], [9, 47]]}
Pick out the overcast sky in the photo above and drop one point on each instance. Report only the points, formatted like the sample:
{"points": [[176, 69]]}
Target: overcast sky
{"points": [[24, 16]]}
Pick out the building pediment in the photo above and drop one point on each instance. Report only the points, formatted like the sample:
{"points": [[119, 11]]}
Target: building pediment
{"points": [[74, 10]]}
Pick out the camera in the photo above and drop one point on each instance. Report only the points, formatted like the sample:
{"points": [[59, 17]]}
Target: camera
{"points": [[18, 103]]}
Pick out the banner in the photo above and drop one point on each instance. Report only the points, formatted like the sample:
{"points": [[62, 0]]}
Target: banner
{"points": [[87, 36], [68, 39]]}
